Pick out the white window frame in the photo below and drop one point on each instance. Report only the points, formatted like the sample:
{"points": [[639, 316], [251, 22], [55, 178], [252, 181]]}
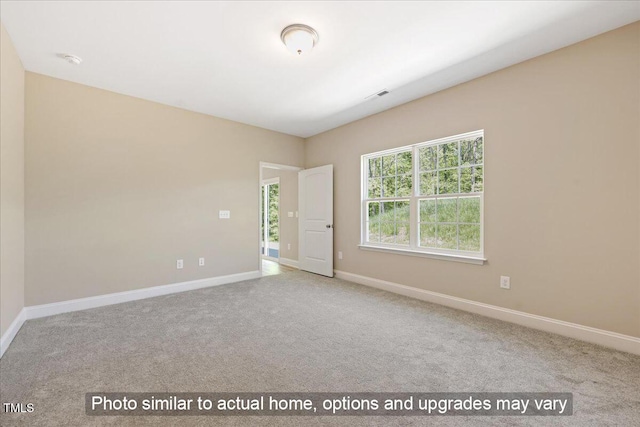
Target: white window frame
{"points": [[413, 249]]}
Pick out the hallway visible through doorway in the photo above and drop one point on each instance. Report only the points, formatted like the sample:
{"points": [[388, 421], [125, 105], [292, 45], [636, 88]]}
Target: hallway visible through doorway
{"points": [[270, 223], [271, 268]]}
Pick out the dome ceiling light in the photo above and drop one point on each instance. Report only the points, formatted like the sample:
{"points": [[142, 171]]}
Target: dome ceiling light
{"points": [[71, 59], [299, 38]]}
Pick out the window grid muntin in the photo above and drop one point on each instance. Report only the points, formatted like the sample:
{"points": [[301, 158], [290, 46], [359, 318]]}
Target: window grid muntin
{"points": [[460, 165], [394, 223], [415, 223], [457, 223]]}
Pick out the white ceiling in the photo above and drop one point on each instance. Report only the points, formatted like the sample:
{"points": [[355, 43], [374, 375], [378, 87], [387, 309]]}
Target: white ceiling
{"points": [[226, 58]]}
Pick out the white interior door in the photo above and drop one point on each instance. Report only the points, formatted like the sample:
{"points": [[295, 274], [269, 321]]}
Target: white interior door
{"points": [[315, 204]]}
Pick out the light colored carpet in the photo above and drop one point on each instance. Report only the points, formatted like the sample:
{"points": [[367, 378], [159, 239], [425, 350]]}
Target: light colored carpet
{"points": [[299, 332]]}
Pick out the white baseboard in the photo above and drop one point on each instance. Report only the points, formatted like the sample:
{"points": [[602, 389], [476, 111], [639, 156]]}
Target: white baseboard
{"points": [[36, 311], [11, 332], [572, 330], [289, 262]]}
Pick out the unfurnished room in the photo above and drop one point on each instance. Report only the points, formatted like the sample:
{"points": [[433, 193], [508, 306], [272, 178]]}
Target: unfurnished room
{"points": [[336, 213]]}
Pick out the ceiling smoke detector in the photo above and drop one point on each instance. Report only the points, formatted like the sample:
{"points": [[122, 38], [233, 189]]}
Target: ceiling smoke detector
{"points": [[299, 38], [71, 59]]}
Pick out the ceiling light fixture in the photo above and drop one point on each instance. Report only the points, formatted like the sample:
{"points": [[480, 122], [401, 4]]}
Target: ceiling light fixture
{"points": [[299, 38], [71, 59]]}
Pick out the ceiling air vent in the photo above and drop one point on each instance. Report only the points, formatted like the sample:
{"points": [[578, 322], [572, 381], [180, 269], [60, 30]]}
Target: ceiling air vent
{"points": [[378, 94]]}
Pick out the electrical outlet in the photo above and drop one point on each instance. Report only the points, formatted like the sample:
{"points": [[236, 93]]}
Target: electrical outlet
{"points": [[201, 262], [505, 282], [180, 264], [340, 255]]}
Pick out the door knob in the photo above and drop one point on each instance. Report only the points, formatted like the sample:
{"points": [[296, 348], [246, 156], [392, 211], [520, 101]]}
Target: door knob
{"points": [[329, 226]]}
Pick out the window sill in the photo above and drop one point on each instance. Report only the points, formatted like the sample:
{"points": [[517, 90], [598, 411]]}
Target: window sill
{"points": [[409, 252]]}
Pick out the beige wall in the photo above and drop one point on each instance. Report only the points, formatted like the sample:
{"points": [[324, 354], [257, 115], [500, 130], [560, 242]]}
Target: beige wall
{"points": [[118, 189], [562, 208], [11, 182], [288, 203]]}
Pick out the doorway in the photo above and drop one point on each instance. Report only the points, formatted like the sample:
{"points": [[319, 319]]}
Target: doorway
{"points": [[270, 219], [278, 218]]}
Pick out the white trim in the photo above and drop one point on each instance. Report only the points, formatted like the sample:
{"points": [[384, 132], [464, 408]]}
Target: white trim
{"points": [[413, 252], [12, 331], [289, 262], [268, 165], [36, 311], [572, 330], [270, 181]]}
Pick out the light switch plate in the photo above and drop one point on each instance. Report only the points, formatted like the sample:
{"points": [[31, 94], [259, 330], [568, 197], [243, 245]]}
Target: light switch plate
{"points": [[224, 214], [290, 214], [505, 282]]}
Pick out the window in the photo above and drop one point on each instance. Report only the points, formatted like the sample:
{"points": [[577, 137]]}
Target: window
{"points": [[426, 198]]}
